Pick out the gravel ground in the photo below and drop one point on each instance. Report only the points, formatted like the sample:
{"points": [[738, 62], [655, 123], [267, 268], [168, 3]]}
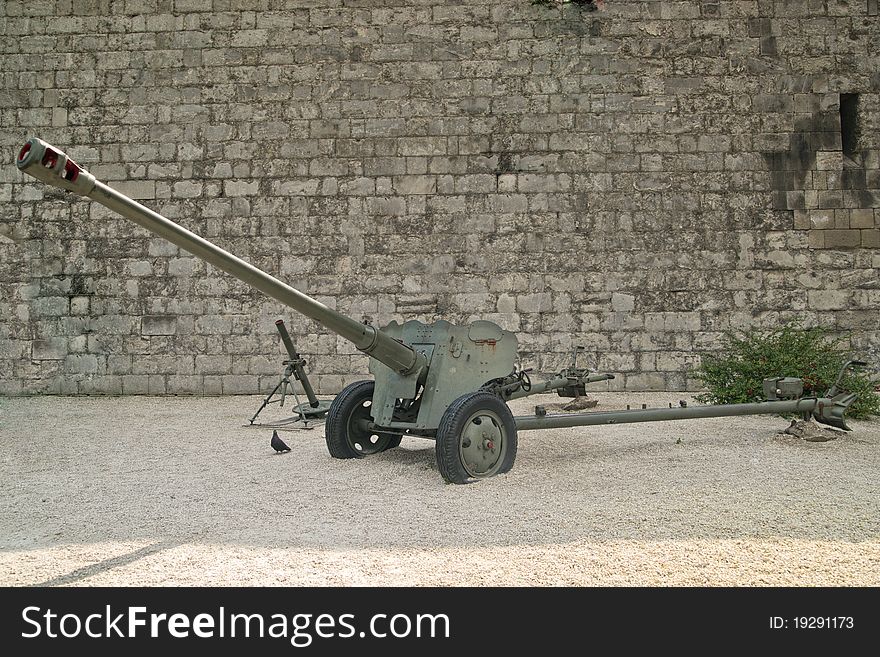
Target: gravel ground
{"points": [[142, 491]]}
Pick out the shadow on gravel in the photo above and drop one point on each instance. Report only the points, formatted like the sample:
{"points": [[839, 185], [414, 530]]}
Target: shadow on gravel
{"points": [[109, 564]]}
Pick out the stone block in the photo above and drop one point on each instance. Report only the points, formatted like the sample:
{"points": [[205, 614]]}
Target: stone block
{"points": [[136, 189], [842, 238], [158, 325], [622, 302], [828, 299], [183, 385], [645, 381], [80, 305], [821, 219], [240, 384], [49, 349], [870, 238], [241, 187], [135, 384], [81, 364], [534, 303], [861, 218]]}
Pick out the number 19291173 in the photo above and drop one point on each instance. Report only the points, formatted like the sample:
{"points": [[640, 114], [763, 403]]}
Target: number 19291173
{"points": [[812, 623]]}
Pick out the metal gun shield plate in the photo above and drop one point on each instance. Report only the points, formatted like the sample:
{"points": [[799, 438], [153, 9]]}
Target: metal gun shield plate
{"points": [[460, 359]]}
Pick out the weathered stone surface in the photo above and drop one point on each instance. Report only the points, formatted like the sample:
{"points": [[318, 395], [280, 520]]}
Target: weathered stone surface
{"points": [[638, 180], [158, 325], [51, 349]]}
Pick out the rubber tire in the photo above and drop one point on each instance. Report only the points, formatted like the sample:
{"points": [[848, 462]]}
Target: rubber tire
{"points": [[336, 435], [446, 447]]}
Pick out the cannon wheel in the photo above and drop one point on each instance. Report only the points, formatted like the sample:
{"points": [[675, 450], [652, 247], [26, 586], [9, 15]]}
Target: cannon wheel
{"points": [[476, 438], [344, 432]]}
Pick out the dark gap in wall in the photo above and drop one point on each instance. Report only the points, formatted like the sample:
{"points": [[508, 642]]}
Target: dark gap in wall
{"points": [[788, 169], [849, 123]]}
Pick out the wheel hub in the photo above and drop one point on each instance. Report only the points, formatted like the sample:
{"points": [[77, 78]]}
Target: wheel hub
{"points": [[482, 444], [360, 437]]}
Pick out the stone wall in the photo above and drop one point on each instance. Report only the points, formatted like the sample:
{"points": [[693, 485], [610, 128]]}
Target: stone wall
{"points": [[636, 179]]}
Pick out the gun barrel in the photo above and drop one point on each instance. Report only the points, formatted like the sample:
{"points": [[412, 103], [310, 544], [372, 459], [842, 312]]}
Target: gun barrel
{"points": [[52, 166]]}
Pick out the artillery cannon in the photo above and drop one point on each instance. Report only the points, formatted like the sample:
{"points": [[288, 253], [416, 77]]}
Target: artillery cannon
{"points": [[439, 381]]}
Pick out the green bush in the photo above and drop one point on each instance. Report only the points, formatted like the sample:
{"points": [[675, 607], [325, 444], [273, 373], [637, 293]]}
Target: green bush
{"points": [[736, 375]]}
